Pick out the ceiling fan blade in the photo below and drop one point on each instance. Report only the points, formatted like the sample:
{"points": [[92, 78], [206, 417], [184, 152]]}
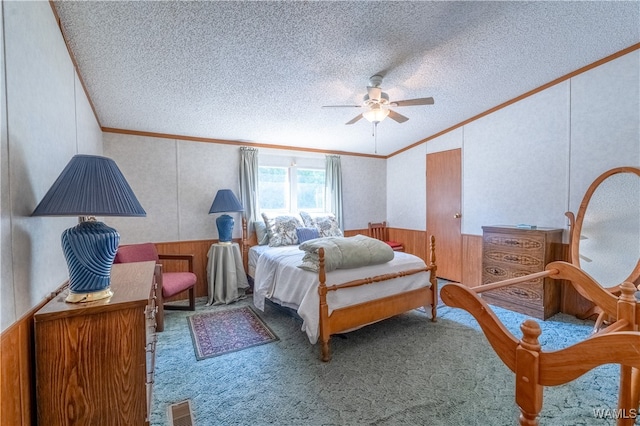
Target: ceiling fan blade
{"points": [[413, 102], [341, 106], [354, 119], [397, 117]]}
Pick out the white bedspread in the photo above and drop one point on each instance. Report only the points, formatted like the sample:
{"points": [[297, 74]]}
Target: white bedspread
{"points": [[278, 278]]}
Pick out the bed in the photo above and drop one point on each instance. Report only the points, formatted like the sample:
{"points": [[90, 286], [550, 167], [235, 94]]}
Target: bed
{"points": [[341, 300]]}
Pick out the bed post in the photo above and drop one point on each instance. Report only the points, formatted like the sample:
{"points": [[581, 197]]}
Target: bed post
{"points": [[324, 309], [433, 278], [528, 388]]}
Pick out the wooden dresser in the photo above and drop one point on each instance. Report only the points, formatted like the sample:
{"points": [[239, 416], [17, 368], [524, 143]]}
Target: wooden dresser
{"points": [[510, 252], [94, 361]]}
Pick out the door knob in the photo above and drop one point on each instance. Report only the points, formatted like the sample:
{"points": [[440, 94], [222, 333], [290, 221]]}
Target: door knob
{"points": [[457, 216]]}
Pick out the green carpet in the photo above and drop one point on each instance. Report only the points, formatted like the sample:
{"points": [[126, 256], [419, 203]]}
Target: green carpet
{"points": [[402, 371]]}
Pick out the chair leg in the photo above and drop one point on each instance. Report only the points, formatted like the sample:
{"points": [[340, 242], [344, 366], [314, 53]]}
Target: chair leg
{"points": [[190, 307], [192, 298]]}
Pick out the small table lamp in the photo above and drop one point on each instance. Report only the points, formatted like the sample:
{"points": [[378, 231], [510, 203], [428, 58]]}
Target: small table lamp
{"points": [[225, 201], [90, 186]]}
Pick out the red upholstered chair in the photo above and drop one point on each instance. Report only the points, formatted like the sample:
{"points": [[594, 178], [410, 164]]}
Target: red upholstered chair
{"points": [[171, 283], [380, 232]]}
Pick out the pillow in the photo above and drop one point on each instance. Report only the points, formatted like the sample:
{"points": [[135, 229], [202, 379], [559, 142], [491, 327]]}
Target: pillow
{"points": [[307, 219], [306, 234], [328, 226], [261, 232], [325, 222], [282, 229]]}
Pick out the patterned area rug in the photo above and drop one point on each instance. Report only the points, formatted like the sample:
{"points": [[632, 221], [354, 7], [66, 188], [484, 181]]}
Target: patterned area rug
{"points": [[218, 333]]}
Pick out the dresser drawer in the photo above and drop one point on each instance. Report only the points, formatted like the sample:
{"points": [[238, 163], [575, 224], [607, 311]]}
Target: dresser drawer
{"points": [[526, 261], [515, 243], [526, 293]]}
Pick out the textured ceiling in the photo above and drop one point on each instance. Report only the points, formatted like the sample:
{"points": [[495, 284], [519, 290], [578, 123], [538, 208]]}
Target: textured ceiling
{"points": [[260, 71]]}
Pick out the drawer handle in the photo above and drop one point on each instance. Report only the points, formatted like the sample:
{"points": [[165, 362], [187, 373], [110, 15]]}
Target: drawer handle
{"points": [[512, 242], [511, 258]]}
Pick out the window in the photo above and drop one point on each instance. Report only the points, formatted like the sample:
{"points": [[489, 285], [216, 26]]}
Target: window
{"points": [[290, 189]]}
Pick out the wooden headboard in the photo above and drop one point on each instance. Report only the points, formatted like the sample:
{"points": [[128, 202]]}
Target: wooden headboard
{"points": [[248, 240]]}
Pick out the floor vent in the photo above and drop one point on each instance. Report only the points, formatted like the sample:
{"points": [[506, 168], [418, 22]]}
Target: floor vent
{"points": [[180, 414]]}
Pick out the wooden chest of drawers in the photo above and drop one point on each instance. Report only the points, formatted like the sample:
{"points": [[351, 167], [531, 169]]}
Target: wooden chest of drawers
{"points": [[510, 252], [94, 361]]}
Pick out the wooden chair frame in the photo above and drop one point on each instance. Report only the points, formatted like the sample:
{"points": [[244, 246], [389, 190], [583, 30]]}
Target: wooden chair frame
{"points": [[380, 232], [192, 290]]}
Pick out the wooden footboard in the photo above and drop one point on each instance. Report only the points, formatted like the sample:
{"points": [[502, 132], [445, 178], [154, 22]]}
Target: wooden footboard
{"points": [[350, 317]]}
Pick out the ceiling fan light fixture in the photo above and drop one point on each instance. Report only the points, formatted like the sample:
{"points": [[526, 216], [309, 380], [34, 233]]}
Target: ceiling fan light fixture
{"points": [[375, 115]]}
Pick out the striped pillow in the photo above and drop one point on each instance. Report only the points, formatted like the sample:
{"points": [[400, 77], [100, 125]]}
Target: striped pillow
{"points": [[305, 234]]}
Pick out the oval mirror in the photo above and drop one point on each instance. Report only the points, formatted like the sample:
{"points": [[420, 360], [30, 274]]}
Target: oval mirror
{"points": [[605, 241]]}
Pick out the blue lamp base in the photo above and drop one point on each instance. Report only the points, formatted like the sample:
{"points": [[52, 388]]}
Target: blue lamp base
{"points": [[225, 229], [89, 249]]}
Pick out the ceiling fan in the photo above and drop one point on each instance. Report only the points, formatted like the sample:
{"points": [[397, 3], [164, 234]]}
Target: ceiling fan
{"points": [[377, 103]]}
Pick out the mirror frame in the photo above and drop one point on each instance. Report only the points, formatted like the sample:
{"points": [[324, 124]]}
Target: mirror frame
{"points": [[576, 223]]}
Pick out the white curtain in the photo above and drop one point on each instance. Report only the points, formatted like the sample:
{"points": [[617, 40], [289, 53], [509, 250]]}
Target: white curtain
{"points": [[333, 187], [249, 184]]}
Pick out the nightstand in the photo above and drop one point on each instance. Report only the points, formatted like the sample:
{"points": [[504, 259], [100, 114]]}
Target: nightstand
{"points": [[226, 278]]}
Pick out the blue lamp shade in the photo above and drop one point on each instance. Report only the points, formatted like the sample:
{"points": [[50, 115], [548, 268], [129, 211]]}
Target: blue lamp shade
{"points": [[225, 201], [90, 186]]}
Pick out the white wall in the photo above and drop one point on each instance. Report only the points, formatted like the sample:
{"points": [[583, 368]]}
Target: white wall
{"points": [[515, 164], [176, 182], [364, 189], [406, 190], [48, 120], [533, 160], [605, 122]]}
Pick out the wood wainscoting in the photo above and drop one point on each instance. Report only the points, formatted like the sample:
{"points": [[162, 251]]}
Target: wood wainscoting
{"points": [[471, 260], [414, 242], [417, 243], [17, 372], [571, 302], [17, 360]]}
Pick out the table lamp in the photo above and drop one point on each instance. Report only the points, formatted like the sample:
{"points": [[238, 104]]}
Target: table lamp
{"points": [[225, 201], [90, 186]]}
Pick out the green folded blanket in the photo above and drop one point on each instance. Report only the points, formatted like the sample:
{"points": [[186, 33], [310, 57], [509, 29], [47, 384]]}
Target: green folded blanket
{"points": [[345, 252]]}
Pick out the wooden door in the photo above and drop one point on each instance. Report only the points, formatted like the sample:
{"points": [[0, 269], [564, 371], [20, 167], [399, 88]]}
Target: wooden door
{"points": [[444, 188]]}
